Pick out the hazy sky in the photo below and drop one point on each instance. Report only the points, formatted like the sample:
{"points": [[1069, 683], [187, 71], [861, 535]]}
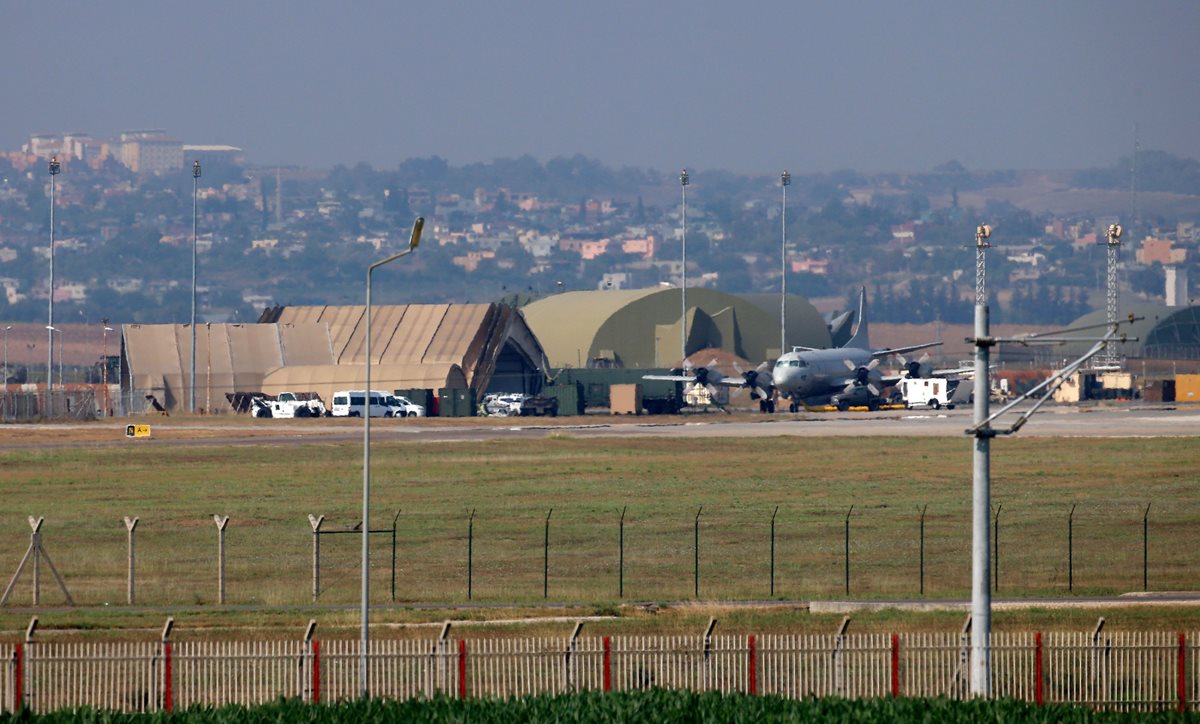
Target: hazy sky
{"points": [[748, 86]]}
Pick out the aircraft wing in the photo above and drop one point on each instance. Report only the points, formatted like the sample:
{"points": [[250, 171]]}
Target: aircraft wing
{"points": [[880, 353], [893, 379], [717, 380]]}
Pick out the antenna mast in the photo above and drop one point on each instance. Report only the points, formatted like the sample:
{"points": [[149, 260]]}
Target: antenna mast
{"points": [[1110, 359]]}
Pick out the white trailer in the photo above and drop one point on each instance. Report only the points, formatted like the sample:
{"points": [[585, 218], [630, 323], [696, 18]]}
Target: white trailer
{"points": [[931, 392]]}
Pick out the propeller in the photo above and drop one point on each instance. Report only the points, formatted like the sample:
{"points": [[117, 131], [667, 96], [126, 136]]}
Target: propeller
{"points": [[862, 376], [754, 382], [914, 369]]}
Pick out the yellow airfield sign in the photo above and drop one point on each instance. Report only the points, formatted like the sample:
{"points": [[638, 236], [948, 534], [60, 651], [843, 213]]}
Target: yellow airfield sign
{"points": [[137, 431]]}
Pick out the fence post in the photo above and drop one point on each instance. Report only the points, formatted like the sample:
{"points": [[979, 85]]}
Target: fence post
{"points": [[895, 666], [1182, 674], [607, 664], [1038, 694], [773, 551], [1071, 549], [316, 671], [1146, 549], [712, 623], [18, 664], [130, 526], [306, 652], [996, 550], [753, 673], [462, 669], [315, 522], [922, 576], [568, 673], [621, 555], [470, 549], [839, 643], [696, 553], [546, 557], [848, 512], [395, 518], [221, 522], [168, 691]]}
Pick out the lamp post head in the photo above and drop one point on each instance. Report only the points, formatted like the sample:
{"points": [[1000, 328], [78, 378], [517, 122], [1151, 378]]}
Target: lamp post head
{"points": [[786, 179], [196, 169], [1114, 233], [55, 166], [982, 234], [415, 238], [683, 178]]}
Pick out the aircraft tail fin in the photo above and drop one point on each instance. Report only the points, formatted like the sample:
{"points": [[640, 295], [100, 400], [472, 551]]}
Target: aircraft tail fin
{"points": [[861, 338]]}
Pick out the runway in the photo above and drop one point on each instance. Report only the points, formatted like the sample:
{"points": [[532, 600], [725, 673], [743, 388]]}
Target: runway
{"points": [[1116, 421]]}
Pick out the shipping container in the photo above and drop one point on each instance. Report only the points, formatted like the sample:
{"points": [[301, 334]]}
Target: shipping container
{"points": [[1187, 388]]}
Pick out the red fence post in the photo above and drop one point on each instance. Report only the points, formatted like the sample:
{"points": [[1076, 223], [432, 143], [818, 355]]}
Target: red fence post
{"points": [[18, 678], [607, 664], [1182, 674], [316, 683], [1037, 669], [462, 669], [895, 666], [167, 693], [753, 666]]}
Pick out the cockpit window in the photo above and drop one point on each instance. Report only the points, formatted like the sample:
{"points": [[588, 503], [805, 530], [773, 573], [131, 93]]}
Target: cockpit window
{"points": [[795, 363]]}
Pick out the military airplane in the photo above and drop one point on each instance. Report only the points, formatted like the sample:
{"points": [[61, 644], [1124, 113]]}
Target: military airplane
{"points": [[846, 375]]}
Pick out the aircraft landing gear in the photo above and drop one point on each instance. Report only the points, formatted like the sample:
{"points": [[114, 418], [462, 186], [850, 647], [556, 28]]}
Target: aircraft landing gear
{"points": [[794, 407], [766, 406]]}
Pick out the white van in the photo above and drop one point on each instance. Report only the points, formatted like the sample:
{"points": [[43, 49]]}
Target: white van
{"points": [[931, 392], [352, 403]]}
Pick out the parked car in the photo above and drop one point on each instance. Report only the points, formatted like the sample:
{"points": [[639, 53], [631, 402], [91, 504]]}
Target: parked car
{"points": [[354, 403], [504, 404], [403, 407]]}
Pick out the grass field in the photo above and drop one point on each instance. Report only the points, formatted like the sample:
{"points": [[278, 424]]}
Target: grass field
{"points": [[269, 490]]}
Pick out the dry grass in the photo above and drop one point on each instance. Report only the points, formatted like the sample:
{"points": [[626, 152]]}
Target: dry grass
{"points": [[269, 490]]}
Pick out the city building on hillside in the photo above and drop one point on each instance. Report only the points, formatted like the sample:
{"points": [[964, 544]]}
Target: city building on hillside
{"points": [[150, 151], [1162, 251]]}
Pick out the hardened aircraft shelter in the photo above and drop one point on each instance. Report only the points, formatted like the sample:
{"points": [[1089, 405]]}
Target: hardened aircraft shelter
{"points": [[321, 349], [642, 327]]}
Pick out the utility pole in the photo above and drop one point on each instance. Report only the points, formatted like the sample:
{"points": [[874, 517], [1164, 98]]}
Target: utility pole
{"points": [[785, 180], [981, 593], [683, 183], [55, 169], [195, 208]]}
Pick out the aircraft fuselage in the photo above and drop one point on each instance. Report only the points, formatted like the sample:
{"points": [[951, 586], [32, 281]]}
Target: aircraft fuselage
{"points": [[815, 375]]}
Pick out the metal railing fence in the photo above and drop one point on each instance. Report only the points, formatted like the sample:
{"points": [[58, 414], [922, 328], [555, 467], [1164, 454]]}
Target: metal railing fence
{"points": [[1122, 671]]}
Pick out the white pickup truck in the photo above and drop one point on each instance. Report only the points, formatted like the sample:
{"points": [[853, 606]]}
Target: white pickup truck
{"points": [[287, 405]]}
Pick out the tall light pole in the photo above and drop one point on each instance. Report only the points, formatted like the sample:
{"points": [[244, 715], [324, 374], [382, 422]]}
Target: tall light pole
{"points": [[683, 184], [195, 207], [7, 329], [1113, 233], [981, 592], [55, 169], [364, 637], [785, 180], [104, 364], [60, 340]]}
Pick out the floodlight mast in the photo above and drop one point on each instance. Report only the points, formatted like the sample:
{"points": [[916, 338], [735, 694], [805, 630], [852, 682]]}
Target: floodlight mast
{"points": [[684, 180], [364, 635], [981, 593], [785, 180], [1114, 245]]}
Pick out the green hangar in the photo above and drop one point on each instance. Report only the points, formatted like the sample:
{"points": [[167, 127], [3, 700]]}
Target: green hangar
{"points": [[642, 327]]}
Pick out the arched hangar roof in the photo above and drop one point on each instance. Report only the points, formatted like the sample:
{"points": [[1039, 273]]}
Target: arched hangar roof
{"points": [[641, 327], [1163, 333]]}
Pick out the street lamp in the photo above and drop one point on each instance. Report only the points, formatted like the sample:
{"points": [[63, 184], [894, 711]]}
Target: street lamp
{"points": [[785, 180], [413, 241], [104, 364], [55, 169], [981, 487], [195, 189], [683, 183], [60, 350], [6, 331]]}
